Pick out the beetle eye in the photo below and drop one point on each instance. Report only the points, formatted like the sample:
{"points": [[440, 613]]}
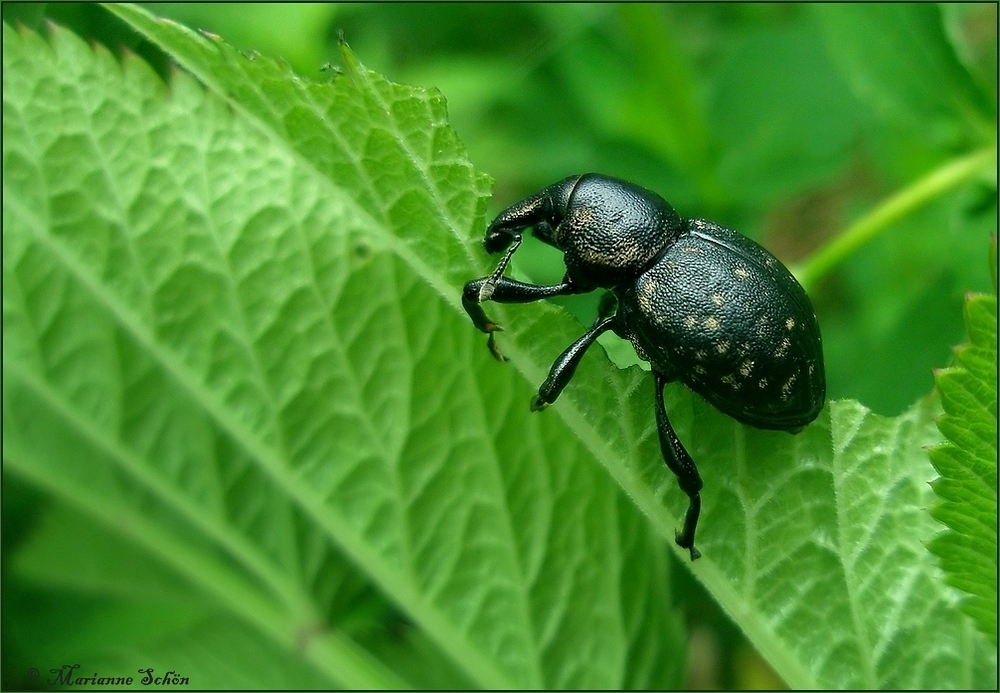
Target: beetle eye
{"points": [[497, 241]]}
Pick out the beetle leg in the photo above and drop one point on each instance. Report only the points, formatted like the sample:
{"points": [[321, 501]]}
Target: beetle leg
{"points": [[490, 285], [681, 464], [565, 366], [506, 291]]}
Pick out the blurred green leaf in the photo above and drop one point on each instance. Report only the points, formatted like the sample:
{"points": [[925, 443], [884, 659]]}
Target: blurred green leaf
{"points": [[971, 29], [117, 593], [897, 56], [781, 130], [967, 463], [297, 31]]}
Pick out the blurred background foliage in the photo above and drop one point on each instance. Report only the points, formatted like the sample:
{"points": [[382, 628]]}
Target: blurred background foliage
{"points": [[784, 121], [773, 119]]}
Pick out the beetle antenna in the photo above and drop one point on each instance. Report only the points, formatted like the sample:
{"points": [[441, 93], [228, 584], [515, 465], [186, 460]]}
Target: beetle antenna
{"points": [[490, 285]]}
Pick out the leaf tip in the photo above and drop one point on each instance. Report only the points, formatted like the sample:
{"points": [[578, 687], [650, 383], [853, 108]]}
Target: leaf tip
{"points": [[210, 35], [350, 59]]}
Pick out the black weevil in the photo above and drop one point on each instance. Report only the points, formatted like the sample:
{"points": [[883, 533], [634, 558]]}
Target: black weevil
{"points": [[700, 302]]}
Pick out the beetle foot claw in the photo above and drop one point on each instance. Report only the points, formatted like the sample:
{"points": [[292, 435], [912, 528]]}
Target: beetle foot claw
{"points": [[491, 344], [538, 404], [688, 544]]}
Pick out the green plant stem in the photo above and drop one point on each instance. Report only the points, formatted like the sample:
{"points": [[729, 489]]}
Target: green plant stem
{"points": [[940, 180]]}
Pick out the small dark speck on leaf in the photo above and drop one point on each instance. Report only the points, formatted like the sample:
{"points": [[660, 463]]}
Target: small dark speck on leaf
{"points": [[362, 251]]}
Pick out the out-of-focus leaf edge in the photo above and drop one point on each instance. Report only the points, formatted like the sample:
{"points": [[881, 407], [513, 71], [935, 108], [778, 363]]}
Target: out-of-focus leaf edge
{"points": [[967, 463]]}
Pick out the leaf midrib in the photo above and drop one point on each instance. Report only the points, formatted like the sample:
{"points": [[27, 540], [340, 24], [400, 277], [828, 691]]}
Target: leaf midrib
{"points": [[402, 250]]}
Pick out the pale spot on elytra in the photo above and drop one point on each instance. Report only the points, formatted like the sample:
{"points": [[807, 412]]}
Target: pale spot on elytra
{"points": [[786, 389]]}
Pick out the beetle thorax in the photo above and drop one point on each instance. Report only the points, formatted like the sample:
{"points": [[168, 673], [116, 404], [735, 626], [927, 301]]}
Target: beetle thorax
{"points": [[611, 232]]}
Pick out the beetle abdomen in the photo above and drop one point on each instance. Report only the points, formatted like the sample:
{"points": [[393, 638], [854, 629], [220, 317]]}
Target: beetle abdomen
{"points": [[724, 316]]}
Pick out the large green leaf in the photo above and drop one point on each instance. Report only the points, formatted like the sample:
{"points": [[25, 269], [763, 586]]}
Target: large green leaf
{"points": [[234, 341], [967, 463]]}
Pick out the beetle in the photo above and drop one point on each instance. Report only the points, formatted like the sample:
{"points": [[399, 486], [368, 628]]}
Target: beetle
{"points": [[701, 303]]}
